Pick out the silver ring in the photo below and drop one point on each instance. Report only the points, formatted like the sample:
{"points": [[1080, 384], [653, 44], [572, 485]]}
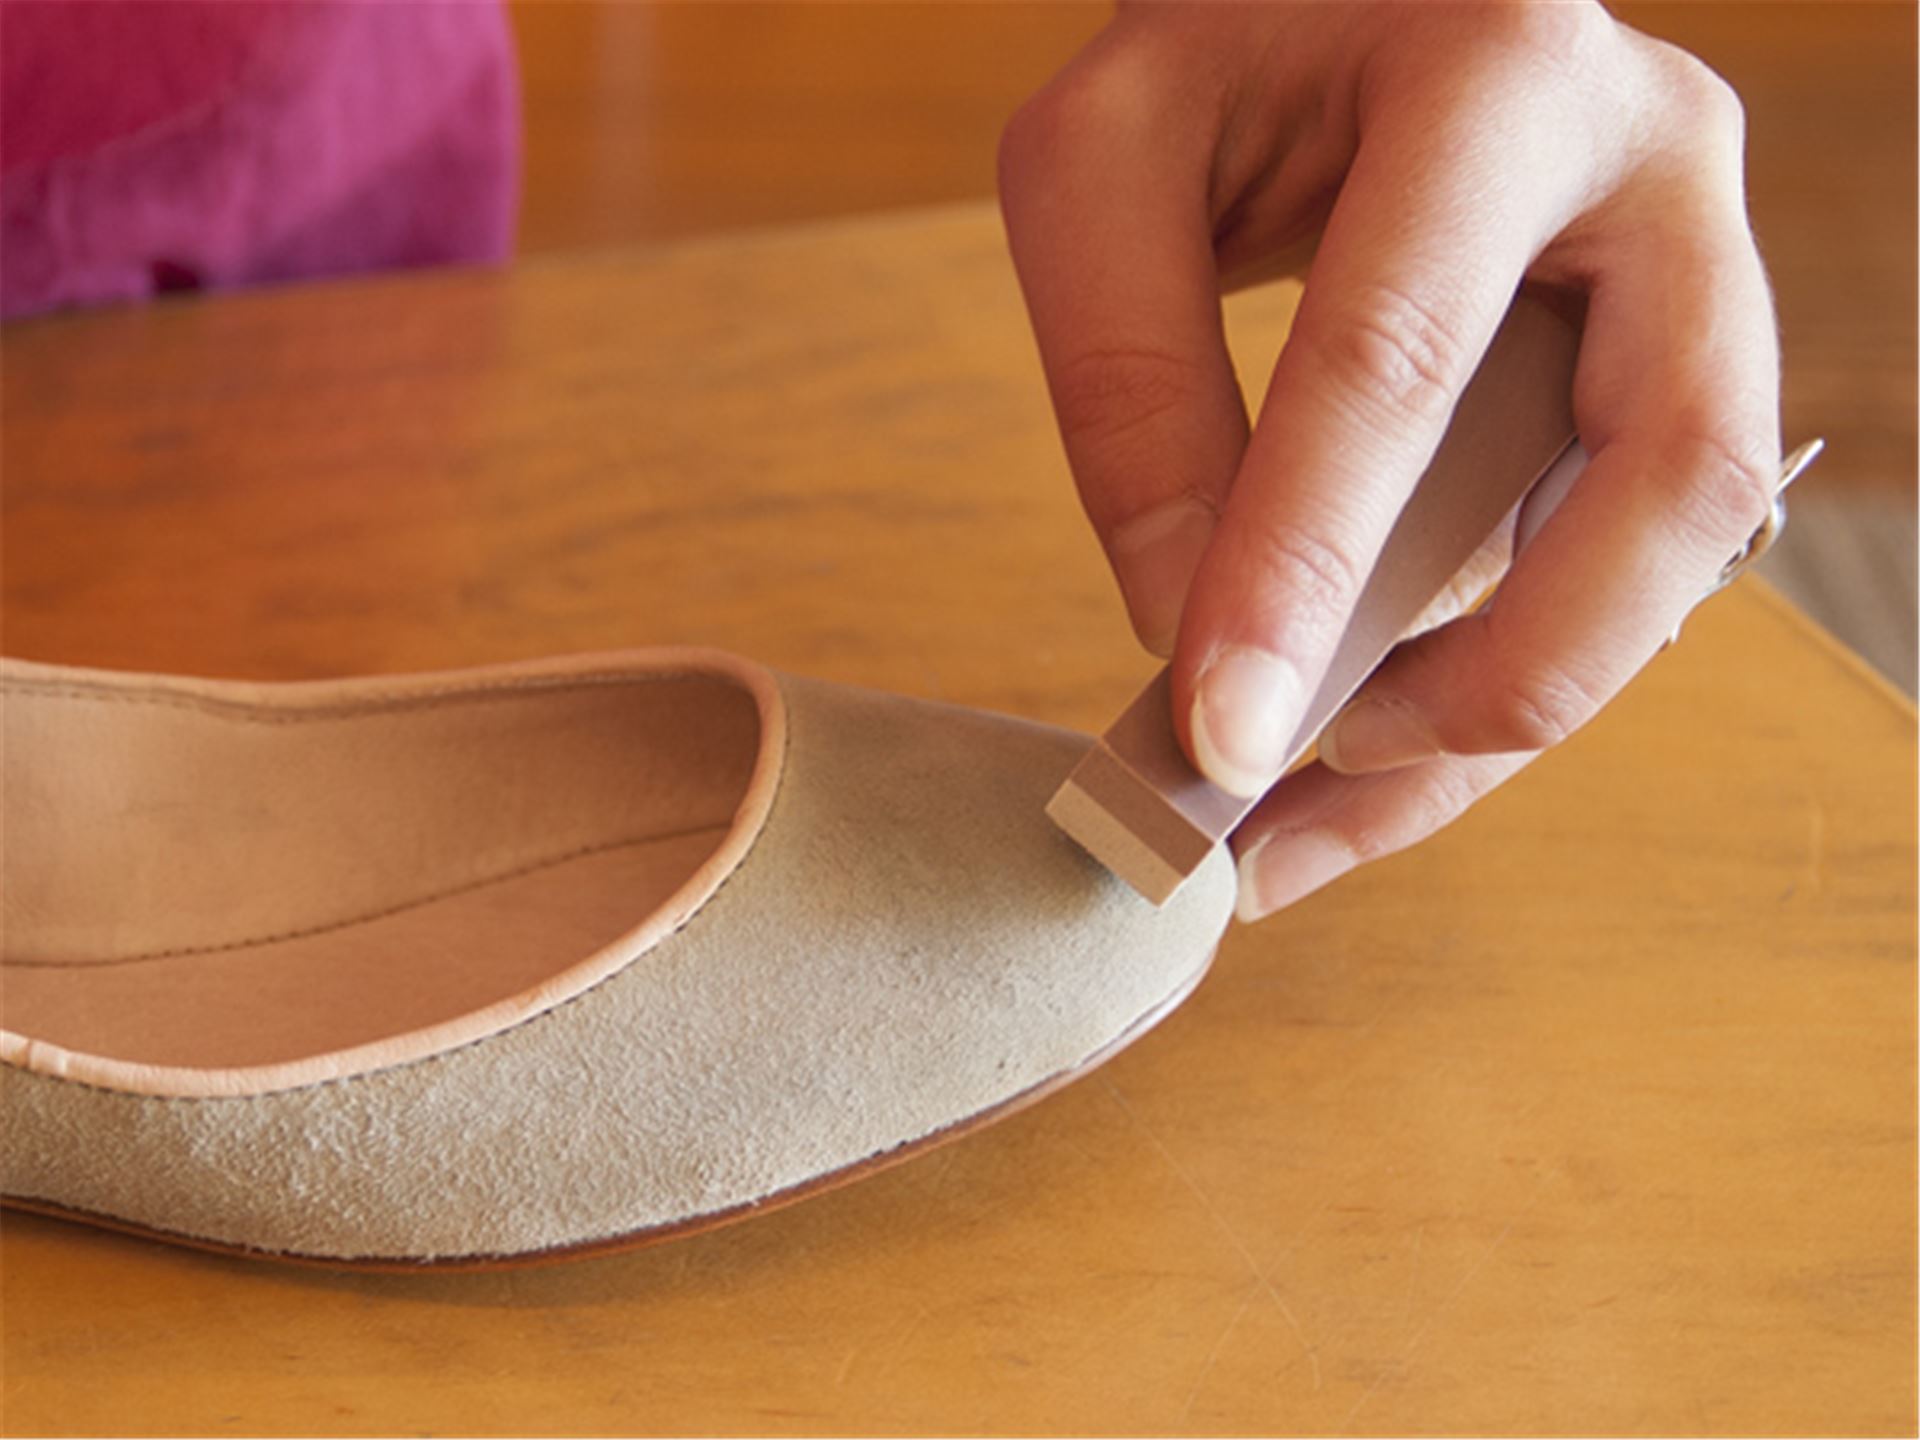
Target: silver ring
{"points": [[1791, 469]]}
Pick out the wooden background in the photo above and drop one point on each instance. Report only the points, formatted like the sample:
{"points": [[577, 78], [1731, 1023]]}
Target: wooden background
{"points": [[648, 122]]}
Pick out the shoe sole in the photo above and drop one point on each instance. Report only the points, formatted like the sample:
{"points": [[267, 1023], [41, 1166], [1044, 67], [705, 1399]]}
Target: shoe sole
{"points": [[652, 1235]]}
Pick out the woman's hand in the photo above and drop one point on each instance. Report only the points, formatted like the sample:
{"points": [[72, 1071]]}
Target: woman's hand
{"points": [[1441, 153]]}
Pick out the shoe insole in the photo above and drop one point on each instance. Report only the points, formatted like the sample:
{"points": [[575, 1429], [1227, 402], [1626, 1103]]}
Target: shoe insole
{"points": [[216, 884]]}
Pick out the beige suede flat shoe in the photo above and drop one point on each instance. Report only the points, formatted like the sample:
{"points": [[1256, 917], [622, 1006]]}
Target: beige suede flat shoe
{"points": [[501, 965]]}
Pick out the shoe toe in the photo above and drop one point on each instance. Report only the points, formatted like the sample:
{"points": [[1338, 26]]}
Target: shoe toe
{"points": [[912, 945]]}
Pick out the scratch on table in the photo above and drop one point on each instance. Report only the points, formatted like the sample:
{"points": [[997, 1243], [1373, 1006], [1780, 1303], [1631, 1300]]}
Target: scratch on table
{"points": [[1220, 1223], [937, 1176], [1413, 1270], [893, 1345], [1213, 1354], [1395, 1365], [1385, 1005], [1816, 860], [1306, 1227]]}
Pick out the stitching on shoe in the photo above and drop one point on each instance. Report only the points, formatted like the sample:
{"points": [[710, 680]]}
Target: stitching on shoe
{"points": [[243, 711], [447, 1054], [326, 926]]}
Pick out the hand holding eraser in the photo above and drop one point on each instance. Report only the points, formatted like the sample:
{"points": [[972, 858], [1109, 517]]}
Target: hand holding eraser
{"points": [[1137, 804]]}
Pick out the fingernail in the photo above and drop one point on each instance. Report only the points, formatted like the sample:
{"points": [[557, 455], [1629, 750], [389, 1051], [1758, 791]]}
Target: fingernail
{"points": [[1372, 735], [1245, 709], [1156, 554], [1286, 866]]}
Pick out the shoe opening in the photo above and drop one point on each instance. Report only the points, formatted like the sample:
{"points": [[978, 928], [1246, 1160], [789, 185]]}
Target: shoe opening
{"points": [[212, 875]]}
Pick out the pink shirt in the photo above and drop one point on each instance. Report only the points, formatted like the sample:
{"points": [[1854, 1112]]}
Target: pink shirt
{"points": [[150, 145]]}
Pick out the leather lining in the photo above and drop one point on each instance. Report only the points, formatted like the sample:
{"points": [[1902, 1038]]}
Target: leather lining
{"points": [[412, 866], [626, 842]]}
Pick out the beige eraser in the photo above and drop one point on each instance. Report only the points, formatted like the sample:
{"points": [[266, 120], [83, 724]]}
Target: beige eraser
{"points": [[1138, 807], [1135, 802]]}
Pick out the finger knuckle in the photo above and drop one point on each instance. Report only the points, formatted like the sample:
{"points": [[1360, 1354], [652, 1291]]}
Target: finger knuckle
{"points": [[1312, 581], [1726, 487], [1367, 841], [1019, 141], [1030, 144], [1559, 31], [1395, 357], [1449, 791], [1442, 795], [1710, 98], [1704, 112], [1101, 395], [1094, 107], [1539, 708]]}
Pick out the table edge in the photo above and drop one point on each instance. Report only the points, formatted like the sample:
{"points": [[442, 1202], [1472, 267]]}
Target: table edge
{"points": [[1836, 649]]}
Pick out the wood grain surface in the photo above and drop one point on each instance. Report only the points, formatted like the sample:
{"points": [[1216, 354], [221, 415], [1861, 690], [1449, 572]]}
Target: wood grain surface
{"points": [[1595, 1113]]}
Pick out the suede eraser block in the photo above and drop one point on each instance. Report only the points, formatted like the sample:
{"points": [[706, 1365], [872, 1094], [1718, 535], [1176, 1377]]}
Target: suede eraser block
{"points": [[1138, 806], [1135, 802]]}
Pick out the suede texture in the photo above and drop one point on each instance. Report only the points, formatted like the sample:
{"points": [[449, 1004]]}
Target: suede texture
{"points": [[909, 943]]}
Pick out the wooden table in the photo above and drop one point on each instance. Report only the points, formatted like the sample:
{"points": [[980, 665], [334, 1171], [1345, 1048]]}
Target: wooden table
{"points": [[1596, 1113]]}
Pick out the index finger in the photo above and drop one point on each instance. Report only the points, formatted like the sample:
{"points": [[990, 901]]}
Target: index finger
{"points": [[1423, 252]]}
